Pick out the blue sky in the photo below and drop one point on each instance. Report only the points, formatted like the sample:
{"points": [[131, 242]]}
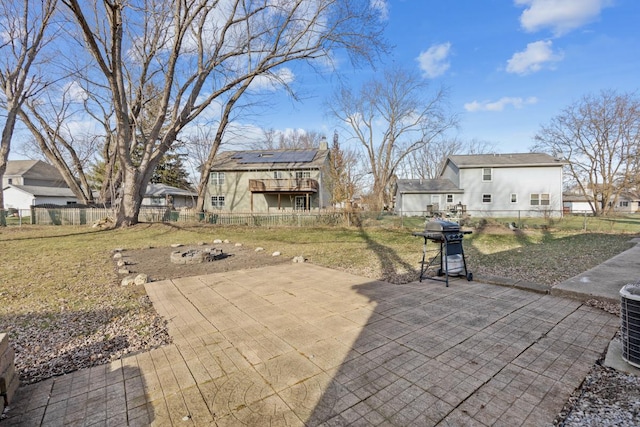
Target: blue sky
{"points": [[510, 65]]}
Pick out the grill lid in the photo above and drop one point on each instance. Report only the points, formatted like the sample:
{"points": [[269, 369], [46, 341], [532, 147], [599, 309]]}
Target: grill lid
{"points": [[441, 226]]}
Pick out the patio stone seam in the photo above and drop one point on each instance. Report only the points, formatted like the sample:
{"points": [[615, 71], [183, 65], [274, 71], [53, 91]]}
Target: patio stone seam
{"points": [[46, 406], [197, 384]]}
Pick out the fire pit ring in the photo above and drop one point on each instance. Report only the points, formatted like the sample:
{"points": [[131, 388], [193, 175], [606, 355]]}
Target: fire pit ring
{"points": [[196, 256]]}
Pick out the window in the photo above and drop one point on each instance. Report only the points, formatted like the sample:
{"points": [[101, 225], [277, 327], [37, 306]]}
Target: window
{"points": [[216, 178], [487, 174], [541, 199], [9, 181], [278, 174], [514, 198], [303, 174], [449, 198], [486, 198], [157, 201], [624, 203], [217, 202], [301, 202]]}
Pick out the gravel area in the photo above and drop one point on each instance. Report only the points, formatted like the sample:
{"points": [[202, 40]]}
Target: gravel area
{"points": [[56, 344], [605, 398]]}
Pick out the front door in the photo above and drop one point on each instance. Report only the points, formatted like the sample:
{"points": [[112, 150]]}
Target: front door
{"points": [[301, 203]]}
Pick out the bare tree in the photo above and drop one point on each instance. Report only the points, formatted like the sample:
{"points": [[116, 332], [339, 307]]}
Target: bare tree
{"points": [[428, 162], [599, 137], [198, 52], [49, 121], [343, 178], [291, 139], [392, 117], [23, 33]]}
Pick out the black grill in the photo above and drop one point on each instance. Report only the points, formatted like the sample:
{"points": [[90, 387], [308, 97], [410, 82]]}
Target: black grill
{"points": [[449, 237]]}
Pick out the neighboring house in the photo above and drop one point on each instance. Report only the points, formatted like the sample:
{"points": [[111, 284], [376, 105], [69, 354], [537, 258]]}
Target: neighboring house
{"points": [[425, 196], [628, 202], [577, 203], [269, 180], [161, 195], [26, 183], [22, 197], [33, 173], [499, 185], [29, 183]]}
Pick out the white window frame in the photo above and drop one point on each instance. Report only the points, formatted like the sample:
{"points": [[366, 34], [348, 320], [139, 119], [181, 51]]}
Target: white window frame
{"points": [[303, 174], [488, 196], [514, 198], [300, 203], [217, 202], [157, 201], [216, 178], [278, 174], [624, 203], [540, 199], [449, 198], [487, 174]]}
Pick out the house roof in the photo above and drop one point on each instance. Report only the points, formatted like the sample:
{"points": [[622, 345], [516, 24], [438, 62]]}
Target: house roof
{"points": [[269, 160], [34, 169], [504, 160], [161, 190], [575, 198], [439, 185], [631, 196], [40, 191]]}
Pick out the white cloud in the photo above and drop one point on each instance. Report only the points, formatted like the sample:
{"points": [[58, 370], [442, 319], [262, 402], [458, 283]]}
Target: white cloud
{"points": [[533, 58], [272, 81], [382, 6], [561, 16], [434, 61], [76, 92], [500, 104]]}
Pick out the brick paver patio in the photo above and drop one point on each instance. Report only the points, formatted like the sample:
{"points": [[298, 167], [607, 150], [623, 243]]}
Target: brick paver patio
{"points": [[305, 345]]}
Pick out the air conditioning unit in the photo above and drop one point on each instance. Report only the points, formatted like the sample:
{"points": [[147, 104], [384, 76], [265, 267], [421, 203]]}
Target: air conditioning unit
{"points": [[630, 328]]}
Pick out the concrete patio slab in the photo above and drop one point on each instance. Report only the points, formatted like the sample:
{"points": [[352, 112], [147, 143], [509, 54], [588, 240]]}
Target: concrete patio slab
{"points": [[305, 345]]}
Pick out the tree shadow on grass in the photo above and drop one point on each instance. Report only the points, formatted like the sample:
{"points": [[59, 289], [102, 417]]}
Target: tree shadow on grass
{"points": [[394, 269]]}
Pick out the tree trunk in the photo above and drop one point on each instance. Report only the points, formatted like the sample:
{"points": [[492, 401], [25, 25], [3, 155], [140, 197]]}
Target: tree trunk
{"points": [[131, 199], [7, 134]]}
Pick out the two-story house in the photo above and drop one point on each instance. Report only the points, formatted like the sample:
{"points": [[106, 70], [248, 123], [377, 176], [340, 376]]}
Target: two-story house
{"points": [[27, 183], [497, 185], [269, 180]]}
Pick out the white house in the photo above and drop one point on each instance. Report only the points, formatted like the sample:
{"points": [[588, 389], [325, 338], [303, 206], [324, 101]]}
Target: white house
{"points": [[577, 204], [628, 202], [162, 195], [22, 197], [417, 197], [503, 185], [26, 183]]}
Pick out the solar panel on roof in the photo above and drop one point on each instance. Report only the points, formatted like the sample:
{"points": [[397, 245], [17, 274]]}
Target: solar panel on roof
{"points": [[278, 157]]}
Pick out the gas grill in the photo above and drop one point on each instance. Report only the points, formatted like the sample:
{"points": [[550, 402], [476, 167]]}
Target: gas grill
{"points": [[449, 257]]}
